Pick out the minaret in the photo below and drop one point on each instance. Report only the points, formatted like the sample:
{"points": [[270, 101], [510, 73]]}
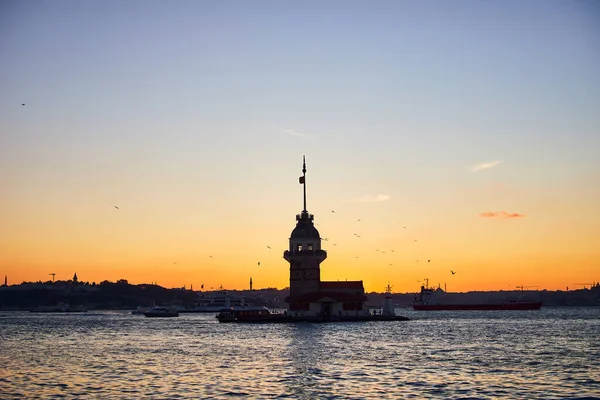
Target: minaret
{"points": [[5, 280], [304, 254], [250, 283]]}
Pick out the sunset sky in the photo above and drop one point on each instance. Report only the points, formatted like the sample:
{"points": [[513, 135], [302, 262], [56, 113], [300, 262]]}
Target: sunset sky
{"points": [[463, 133]]}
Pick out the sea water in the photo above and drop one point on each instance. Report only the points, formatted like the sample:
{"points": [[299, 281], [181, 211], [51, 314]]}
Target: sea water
{"points": [[550, 353]]}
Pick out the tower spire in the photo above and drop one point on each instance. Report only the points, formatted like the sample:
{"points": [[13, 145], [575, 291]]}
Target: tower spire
{"points": [[303, 181]]}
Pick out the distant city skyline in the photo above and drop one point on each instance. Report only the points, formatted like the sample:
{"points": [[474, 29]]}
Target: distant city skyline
{"points": [[163, 141]]}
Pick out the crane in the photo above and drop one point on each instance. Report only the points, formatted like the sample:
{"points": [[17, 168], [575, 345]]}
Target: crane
{"points": [[584, 284], [53, 274], [524, 287]]}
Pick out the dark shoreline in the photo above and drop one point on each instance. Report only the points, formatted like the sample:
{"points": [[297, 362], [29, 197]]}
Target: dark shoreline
{"points": [[124, 296]]}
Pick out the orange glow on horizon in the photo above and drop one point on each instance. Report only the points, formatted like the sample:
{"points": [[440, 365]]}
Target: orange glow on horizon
{"points": [[541, 272], [376, 242]]}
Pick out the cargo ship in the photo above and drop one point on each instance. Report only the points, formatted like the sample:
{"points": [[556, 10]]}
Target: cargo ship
{"points": [[430, 299]]}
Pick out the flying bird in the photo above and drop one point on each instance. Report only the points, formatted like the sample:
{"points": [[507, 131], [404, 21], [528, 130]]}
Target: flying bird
{"points": [[23, 104], [335, 244], [268, 247], [259, 263], [415, 240], [117, 208], [404, 227], [428, 260], [333, 211], [211, 256], [452, 272], [358, 220]]}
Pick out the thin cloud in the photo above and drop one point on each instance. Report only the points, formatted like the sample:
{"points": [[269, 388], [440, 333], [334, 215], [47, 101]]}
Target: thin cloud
{"points": [[292, 132], [374, 198], [500, 214], [485, 165]]}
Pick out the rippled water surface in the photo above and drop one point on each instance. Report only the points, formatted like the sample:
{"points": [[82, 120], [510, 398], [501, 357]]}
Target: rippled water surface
{"points": [[552, 353]]}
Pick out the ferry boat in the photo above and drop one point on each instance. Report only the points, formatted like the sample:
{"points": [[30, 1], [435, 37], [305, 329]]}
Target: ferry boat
{"points": [[164, 312], [264, 315], [430, 299], [214, 303]]}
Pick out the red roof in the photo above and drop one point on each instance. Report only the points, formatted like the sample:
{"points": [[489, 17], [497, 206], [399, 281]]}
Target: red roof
{"points": [[336, 285]]}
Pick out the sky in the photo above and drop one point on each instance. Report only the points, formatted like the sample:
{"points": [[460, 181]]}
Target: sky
{"points": [[162, 141]]}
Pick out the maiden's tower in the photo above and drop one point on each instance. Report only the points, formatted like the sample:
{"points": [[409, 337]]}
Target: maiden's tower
{"points": [[309, 295]]}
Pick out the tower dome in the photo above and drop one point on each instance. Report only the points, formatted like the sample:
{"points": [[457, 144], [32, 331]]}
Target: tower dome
{"points": [[305, 228]]}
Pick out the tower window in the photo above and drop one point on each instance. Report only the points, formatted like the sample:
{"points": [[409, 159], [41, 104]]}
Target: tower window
{"points": [[299, 248], [309, 247]]}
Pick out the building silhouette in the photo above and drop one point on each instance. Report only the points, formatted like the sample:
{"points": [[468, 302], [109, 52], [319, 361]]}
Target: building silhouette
{"points": [[309, 296]]}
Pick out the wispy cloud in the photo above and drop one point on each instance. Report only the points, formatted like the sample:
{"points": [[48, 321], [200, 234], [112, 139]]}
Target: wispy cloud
{"points": [[485, 165], [374, 198], [500, 214], [292, 132]]}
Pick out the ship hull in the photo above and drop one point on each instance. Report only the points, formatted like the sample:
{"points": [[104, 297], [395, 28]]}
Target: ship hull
{"points": [[273, 319], [480, 307]]}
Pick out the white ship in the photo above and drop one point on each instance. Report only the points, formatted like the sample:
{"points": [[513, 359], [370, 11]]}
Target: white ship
{"points": [[214, 303]]}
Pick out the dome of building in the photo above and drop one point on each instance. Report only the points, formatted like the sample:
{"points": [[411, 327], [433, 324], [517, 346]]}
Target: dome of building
{"points": [[305, 229]]}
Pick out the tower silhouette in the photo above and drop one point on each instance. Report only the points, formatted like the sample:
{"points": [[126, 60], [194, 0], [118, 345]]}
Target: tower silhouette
{"points": [[304, 254]]}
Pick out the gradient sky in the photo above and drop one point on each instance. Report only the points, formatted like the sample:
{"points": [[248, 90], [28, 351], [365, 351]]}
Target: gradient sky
{"points": [[474, 124]]}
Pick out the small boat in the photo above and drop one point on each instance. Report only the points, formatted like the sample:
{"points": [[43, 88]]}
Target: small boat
{"points": [[430, 299], [161, 312]]}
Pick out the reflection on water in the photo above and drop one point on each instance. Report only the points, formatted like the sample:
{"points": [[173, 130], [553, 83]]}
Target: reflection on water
{"points": [[302, 358], [508, 354]]}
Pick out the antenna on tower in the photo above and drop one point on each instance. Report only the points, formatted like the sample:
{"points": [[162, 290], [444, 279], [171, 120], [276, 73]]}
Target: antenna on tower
{"points": [[303, 181]]}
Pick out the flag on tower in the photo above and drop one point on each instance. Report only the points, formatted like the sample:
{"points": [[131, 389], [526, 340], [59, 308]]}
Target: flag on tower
{"points": [[301, 179]]}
